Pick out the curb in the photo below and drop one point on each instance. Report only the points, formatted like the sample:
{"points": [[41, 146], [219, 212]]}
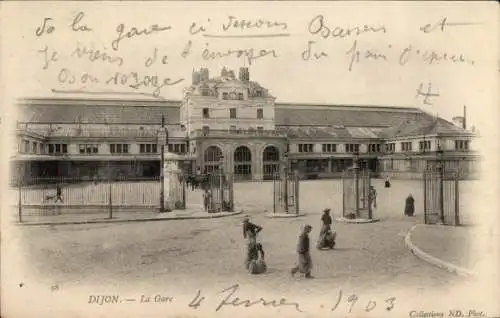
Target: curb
{"points": [[434, 260], [104, 221], [283, 215], [357, 221]]}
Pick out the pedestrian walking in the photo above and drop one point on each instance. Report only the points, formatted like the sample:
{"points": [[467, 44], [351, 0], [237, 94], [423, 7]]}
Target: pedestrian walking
{"points": [[305, 262], [409, 205], [256, 264], [372, 196], [250, 232], [58, 194], [326, 235], [207, 201], [387, 182]]}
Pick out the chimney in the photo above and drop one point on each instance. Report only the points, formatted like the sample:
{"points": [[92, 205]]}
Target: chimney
{"points": [[464, 122], [204, 74], [196, 78], [244, 74], [223, 72]]}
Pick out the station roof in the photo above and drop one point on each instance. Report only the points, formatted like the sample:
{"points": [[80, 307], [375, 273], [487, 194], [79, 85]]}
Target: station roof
{"points": [[300, 120]]}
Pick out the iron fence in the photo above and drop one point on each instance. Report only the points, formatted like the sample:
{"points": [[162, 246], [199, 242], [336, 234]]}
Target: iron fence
{"points": [[441, 197], [357, 200], [286, 193]]}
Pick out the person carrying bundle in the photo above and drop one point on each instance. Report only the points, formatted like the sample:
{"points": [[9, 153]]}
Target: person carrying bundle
{"points": [[326, 235]]}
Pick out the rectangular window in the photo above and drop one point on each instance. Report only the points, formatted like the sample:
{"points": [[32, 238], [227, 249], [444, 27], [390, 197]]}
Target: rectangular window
{"points": [[390, 147], [406, 146], [170, 147], [260, 128], [142, 148], [118, 148], [232, 113], [58, 148], [240, 96], [205, 130], [206, 113], [183, 148], [34, 147], [328, 148], [352, 148], [305, 147], [90, 148], [224, 95], [260, 113], [461, 145], [424, 145], [374, 148], [176, 148], [232, 128]]}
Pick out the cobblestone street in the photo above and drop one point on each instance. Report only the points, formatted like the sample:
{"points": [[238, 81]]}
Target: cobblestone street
{"points": [[370, 260]]}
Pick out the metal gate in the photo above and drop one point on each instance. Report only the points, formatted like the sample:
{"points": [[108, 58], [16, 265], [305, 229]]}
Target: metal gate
{"points": [[286, 193], [441, 197], [356, 202], [221, 192]]}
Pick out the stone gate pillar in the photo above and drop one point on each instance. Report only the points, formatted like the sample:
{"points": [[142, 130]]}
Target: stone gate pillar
{"points": [[257, 163]]}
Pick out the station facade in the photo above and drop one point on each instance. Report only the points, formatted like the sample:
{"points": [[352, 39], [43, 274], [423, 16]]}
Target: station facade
{"points": [[229, 121]]}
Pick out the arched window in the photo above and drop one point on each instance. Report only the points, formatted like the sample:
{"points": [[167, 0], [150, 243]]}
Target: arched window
{"points": [[243, 163], [271, 162], [242, 154], [271, 153], [213, 154]]}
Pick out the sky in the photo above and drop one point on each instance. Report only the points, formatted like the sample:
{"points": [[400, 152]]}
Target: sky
{"points": [[385, 63]]}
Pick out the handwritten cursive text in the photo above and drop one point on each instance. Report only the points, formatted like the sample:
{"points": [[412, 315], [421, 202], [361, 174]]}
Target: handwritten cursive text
{"points": [[134, 32], [229, 300], [318, 26], [235, 23], [92, 54]]}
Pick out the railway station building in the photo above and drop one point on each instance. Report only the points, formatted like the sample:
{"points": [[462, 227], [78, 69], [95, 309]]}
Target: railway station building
{"points": [[230, 121]]}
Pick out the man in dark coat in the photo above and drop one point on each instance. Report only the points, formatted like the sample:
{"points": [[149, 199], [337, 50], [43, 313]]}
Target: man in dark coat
{"points": [[250, 232], [305, 261], [58, 194], [327, 221], [387, 182], [410, 205]]}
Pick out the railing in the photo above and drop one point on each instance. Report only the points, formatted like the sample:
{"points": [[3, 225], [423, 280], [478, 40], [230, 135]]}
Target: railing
{"points": [[243, 133]]}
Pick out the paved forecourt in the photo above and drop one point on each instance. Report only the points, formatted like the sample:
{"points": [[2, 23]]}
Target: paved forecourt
{"points": [[370, 257]]}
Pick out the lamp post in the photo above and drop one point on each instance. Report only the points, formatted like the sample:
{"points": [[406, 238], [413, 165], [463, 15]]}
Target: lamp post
{"points": [[285, 178], [355, 167], [162, 140], [221, 182], [440, 154]]}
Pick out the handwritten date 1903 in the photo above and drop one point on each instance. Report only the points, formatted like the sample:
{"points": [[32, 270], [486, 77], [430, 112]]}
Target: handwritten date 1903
{"points": [[370, 305]]}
